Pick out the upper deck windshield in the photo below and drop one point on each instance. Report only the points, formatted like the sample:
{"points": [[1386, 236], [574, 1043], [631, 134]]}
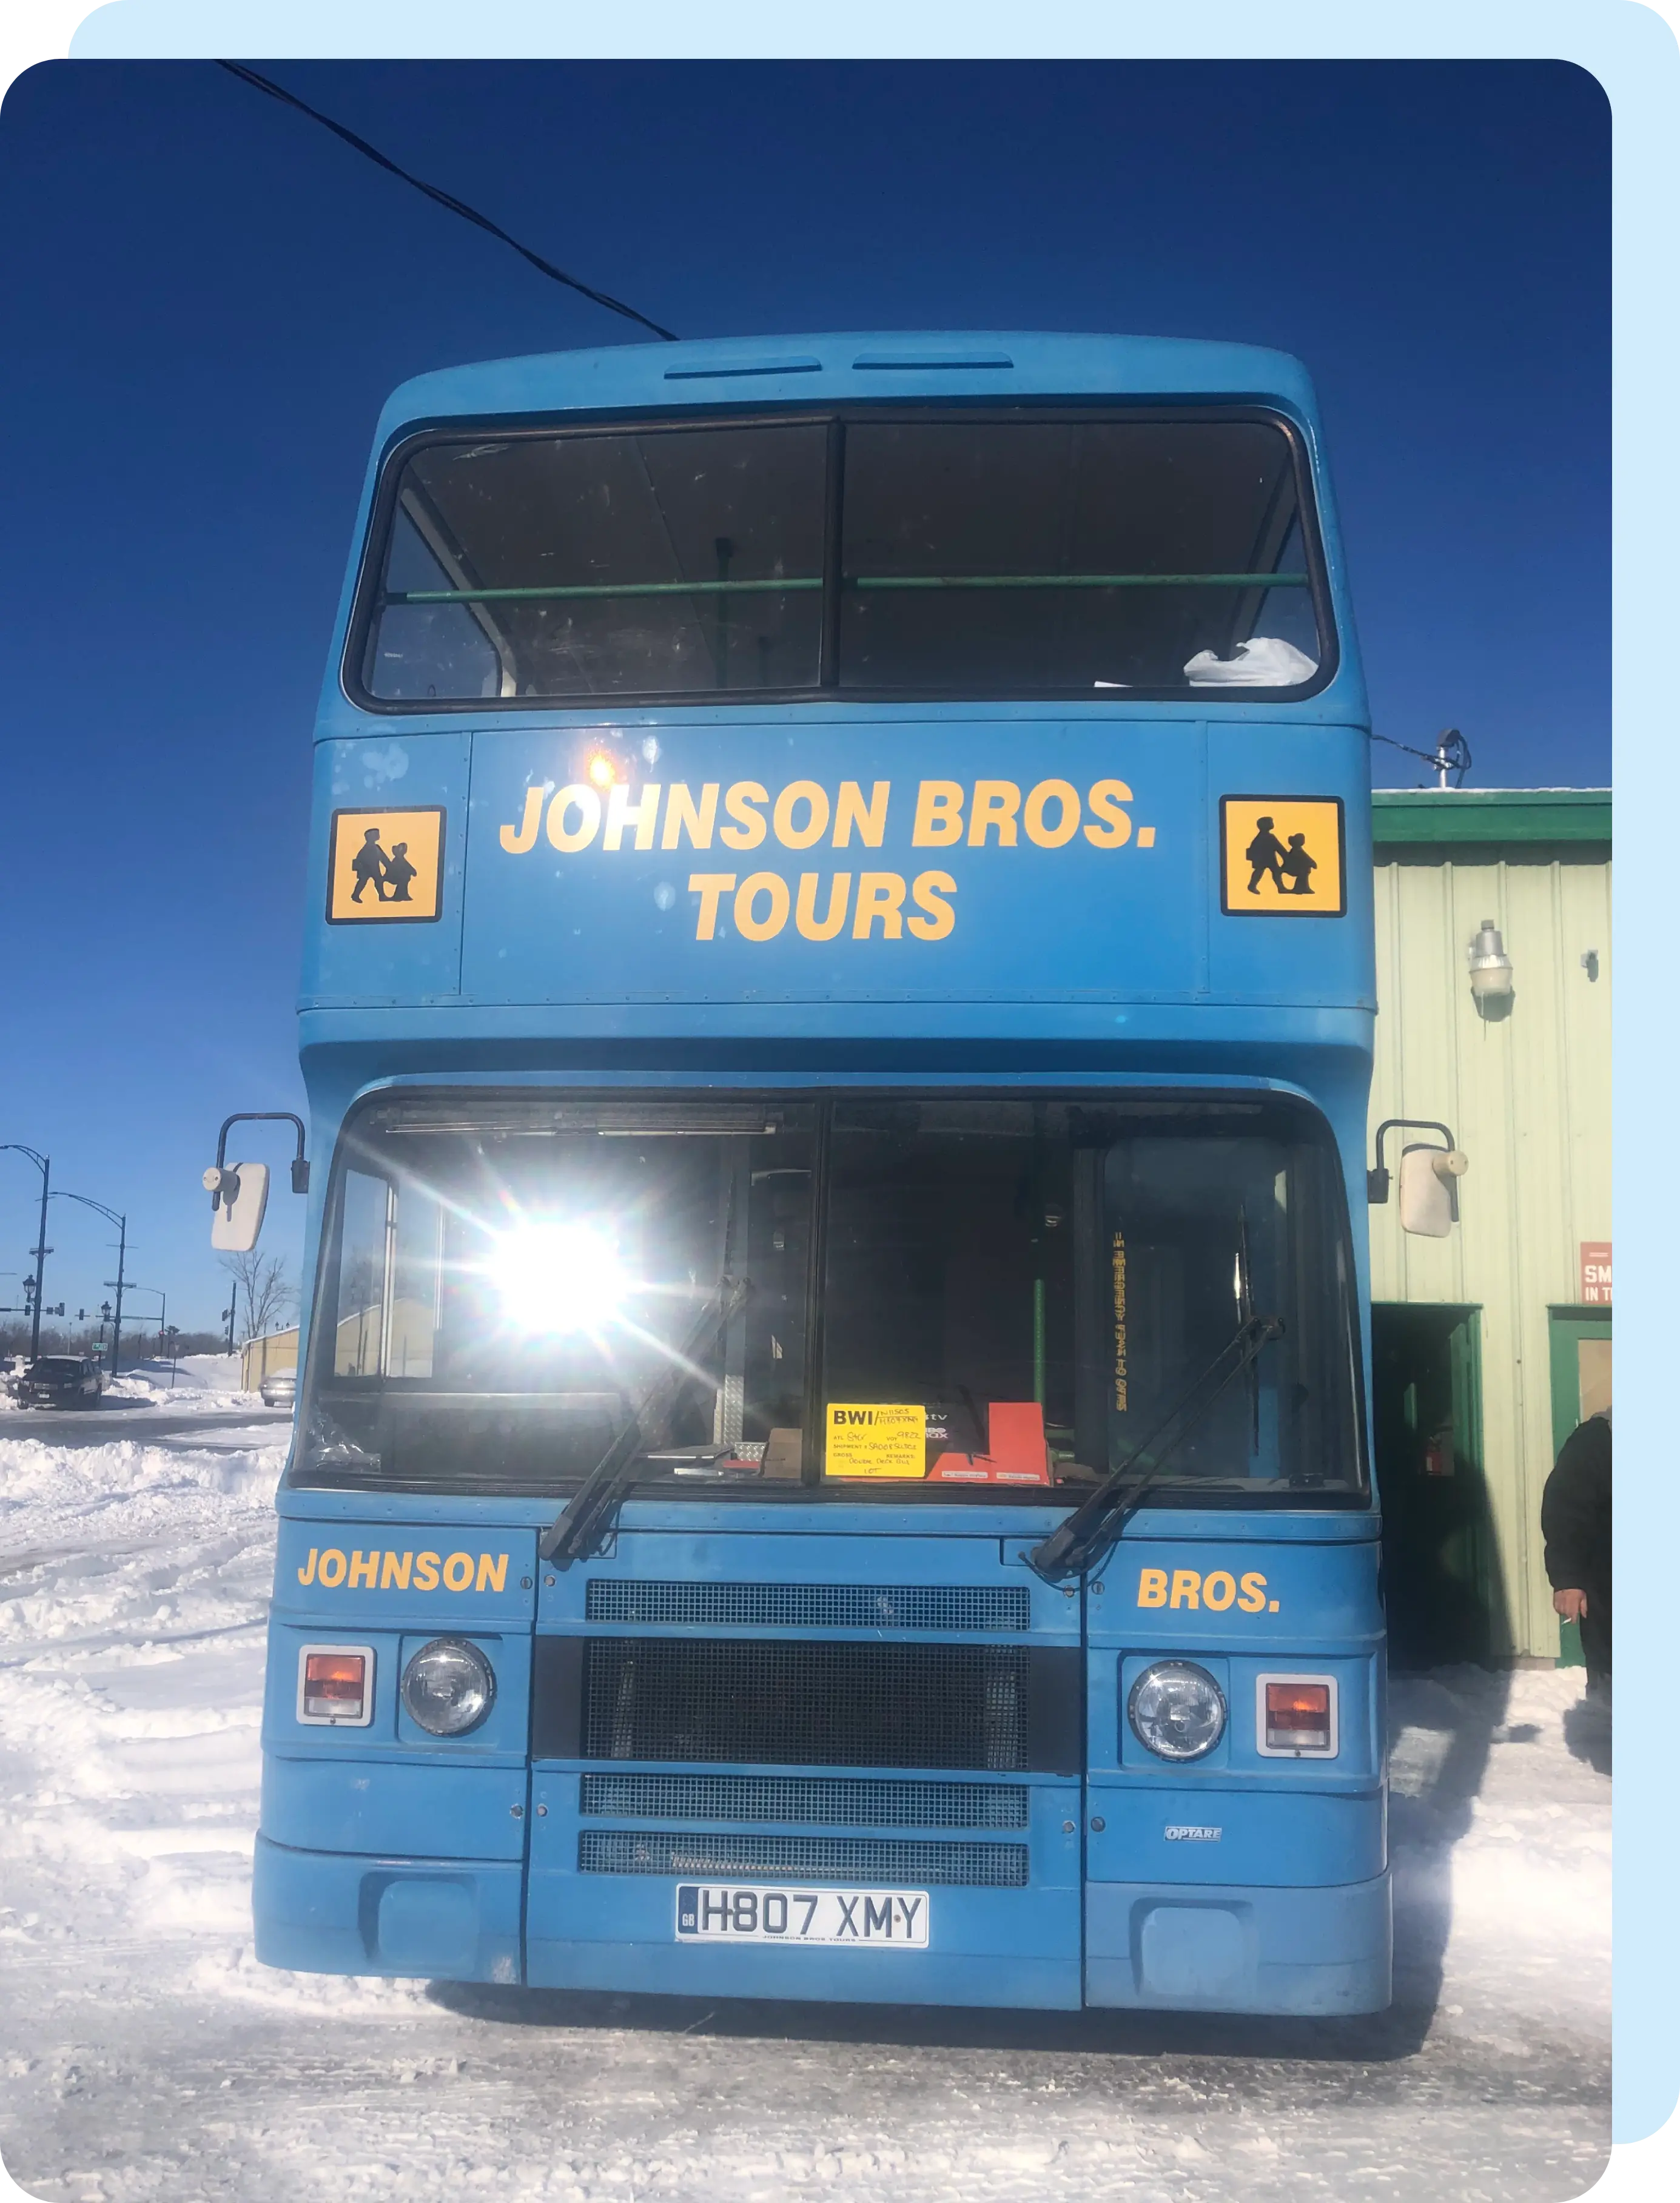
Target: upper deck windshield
{"points": [[954, 1296], [875, 554]]}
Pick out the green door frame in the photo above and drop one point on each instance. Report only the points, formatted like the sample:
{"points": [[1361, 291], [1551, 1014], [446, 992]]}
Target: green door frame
{"points": [[1569, 1325]]}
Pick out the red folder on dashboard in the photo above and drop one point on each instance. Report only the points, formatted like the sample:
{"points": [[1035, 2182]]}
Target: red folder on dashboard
{"points": [[1016, 1453]]}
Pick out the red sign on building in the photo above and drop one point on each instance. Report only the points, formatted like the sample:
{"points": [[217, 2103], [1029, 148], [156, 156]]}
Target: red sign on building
{"points": [[1596, 1272]]}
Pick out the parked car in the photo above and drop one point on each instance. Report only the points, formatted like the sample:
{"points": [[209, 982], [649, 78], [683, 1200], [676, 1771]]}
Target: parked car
{"points": [[280, 1390], [58, 1380]]}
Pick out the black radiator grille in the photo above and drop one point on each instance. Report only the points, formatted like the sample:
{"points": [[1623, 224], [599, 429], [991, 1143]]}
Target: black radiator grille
{"points": [[810, 1606], [854, 1802], [810, 1703], [863, 1860]]}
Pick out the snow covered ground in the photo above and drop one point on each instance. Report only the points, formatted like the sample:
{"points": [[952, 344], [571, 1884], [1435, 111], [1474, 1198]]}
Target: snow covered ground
{"points": [[144, 2053]]}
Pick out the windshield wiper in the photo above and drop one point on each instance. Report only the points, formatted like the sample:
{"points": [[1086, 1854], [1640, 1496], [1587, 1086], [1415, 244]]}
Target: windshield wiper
{"points": [[575, 1531], [1090, 1533]]}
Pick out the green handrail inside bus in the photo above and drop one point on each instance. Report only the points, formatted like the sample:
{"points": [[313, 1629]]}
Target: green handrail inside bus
{"points": [[786, 583]]}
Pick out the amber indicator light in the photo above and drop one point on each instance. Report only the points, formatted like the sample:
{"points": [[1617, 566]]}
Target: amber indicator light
{"points": [[1298, 1717], [334, 1685]]}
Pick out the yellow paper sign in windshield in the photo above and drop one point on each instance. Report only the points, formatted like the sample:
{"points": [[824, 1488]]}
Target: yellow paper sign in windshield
{"points": [[869, 1439]]}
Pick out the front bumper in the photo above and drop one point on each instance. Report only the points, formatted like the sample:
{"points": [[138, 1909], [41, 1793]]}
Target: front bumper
{"points": [[1319, 1953], [1179, 1946], [323, 1912]]}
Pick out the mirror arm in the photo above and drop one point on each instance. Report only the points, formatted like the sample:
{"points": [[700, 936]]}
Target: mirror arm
{"points": [[1377, 1179], [300, 1169]]}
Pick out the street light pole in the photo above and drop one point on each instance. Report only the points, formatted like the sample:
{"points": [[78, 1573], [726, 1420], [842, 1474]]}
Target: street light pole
{"points": [[121, 1224], [39, 1251], [162, 1310], [117, 1317]]}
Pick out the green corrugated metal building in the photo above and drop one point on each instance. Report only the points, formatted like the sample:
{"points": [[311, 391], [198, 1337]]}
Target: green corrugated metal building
{"points": [[1489, 1344]]}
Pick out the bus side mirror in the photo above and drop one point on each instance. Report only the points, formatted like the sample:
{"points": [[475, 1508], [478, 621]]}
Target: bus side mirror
{"points": [[1429, 1189], [238, 1196], [239, 1191]]}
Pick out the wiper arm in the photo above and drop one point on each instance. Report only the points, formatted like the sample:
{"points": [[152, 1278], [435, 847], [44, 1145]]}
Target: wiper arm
{"points": [[1090, 1533], [575, 1531]]}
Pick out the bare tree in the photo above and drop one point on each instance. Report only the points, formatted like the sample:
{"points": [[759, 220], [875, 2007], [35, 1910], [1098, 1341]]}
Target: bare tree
{"points": [[268, 1294]]}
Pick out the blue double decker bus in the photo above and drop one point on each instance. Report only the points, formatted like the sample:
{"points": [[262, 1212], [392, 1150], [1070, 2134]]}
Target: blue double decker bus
{"points": [[831, 1458]]}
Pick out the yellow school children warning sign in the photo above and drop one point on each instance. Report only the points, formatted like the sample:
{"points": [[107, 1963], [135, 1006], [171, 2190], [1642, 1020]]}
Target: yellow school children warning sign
{"points": [[1281, 856], [866, 1438], [385, 865]]}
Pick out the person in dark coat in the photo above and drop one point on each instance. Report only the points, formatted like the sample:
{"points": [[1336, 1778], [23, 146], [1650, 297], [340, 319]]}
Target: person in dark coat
{"points": [[1575, 1520]]}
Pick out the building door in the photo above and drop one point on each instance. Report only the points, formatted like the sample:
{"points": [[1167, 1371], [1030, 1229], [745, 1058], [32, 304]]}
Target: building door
{"points": [[1444, 1601], [1580, 1388]]}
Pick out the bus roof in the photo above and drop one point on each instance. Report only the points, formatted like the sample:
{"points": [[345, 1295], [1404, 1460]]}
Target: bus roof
{"points": [[896, 365]]}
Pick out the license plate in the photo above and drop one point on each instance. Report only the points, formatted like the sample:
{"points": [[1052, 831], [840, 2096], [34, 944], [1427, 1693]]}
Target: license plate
{"points": [[741, 1912]]}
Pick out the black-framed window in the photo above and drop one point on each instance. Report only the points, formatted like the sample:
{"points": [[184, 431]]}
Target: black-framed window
{"points": [[947, 1295], [874, 553]]}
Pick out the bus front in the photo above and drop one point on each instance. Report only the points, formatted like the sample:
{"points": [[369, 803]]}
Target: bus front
{"points": [[831, 1458]]}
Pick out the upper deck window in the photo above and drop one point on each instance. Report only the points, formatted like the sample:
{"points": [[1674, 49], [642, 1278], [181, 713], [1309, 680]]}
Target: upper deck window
{"points": [[876, 555]]}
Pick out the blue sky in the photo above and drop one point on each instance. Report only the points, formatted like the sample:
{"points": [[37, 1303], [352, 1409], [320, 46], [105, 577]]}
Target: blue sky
{"points": [[209, 297]]}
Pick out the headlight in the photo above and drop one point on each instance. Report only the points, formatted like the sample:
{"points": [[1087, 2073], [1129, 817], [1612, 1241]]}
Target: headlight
{"points": [[1176, 1709], [449, 1686]]}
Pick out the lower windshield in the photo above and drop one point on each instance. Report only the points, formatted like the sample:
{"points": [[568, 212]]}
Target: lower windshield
{"points": [[855, 1295]]}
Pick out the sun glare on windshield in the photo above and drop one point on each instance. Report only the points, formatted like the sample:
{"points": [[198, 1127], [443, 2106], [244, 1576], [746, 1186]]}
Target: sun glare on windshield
{"points": [[554, 1277]]}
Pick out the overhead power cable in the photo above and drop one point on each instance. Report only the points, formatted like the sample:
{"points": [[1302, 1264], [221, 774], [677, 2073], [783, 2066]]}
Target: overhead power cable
{"points": [[444, 198], [1450, 754]]}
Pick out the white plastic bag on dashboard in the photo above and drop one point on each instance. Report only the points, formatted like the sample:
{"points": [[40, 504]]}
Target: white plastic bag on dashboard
{"points": [[1265, 661]]}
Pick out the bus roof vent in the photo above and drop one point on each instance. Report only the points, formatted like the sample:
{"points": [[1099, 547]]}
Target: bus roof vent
{"points": [[744, 367], [866, 360]]}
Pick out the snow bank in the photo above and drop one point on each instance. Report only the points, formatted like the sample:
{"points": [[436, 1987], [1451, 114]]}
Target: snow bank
{"points": [[199, 1380]]}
